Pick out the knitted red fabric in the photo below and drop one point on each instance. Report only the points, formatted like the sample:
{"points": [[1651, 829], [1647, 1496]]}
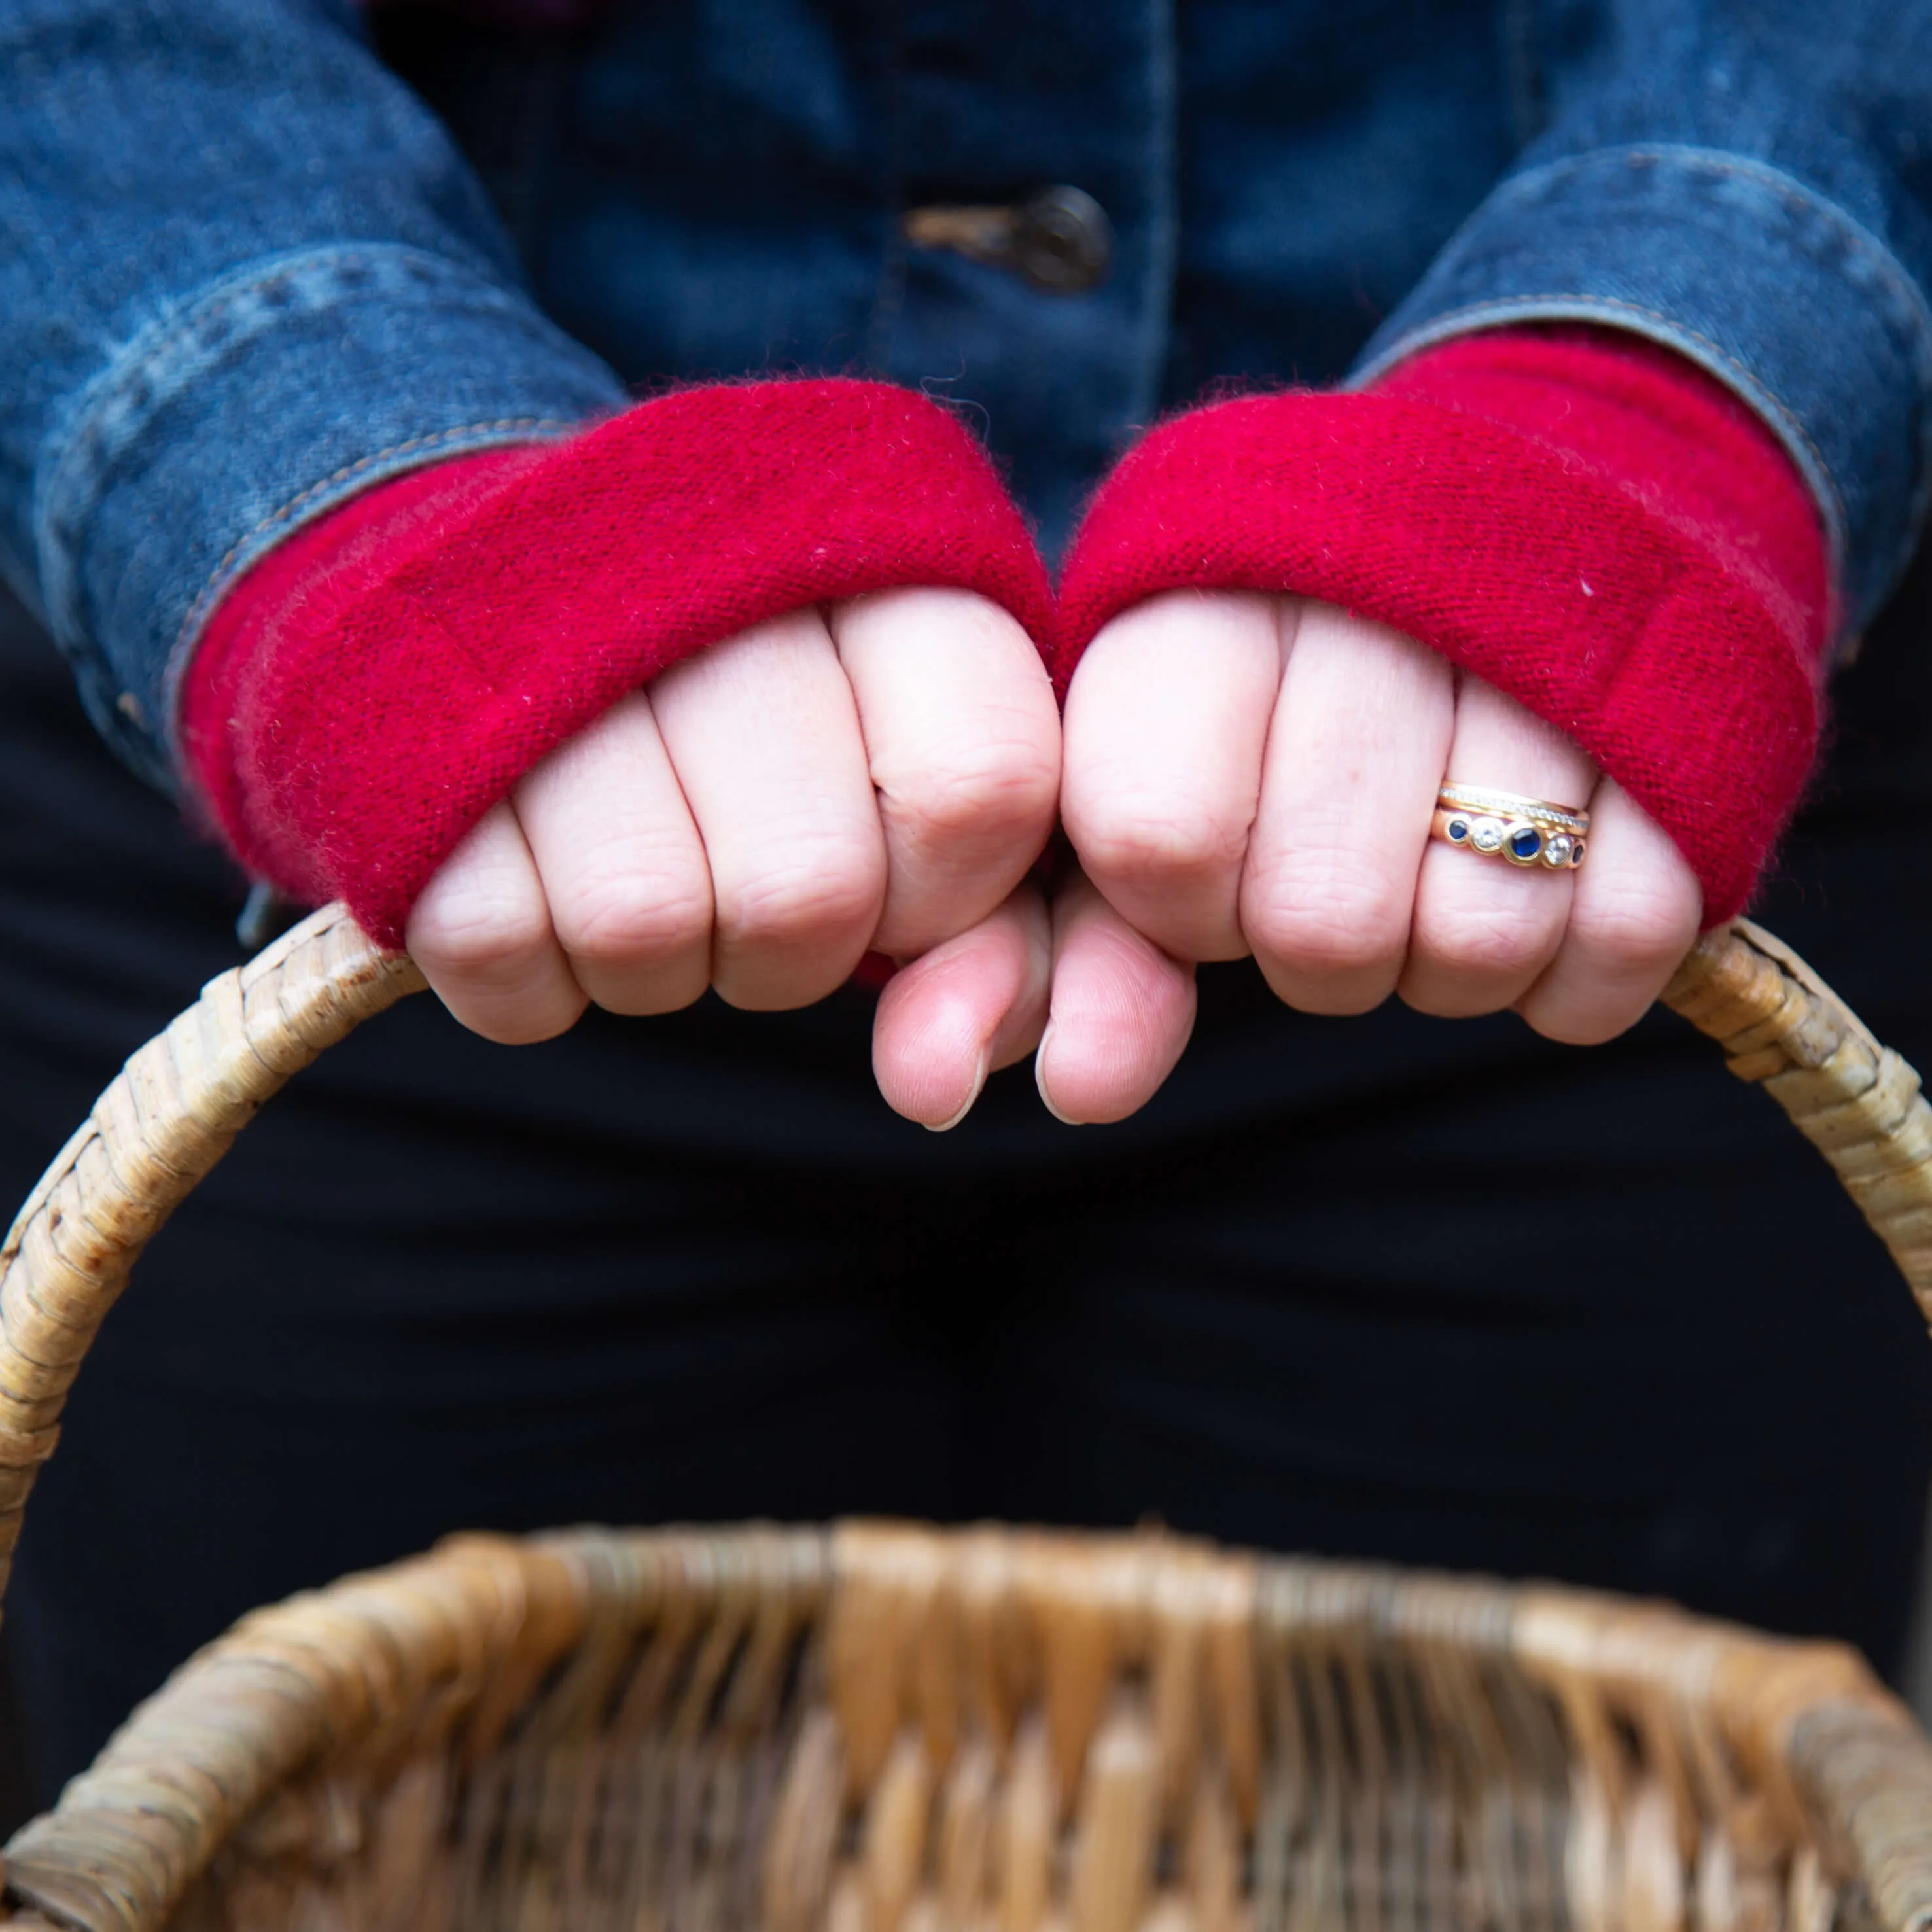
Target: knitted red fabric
{"points": [[1588, 522], [365, 694]]}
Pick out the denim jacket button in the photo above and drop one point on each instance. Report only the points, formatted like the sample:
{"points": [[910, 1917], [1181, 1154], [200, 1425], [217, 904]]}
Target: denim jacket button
{"points": [[1060, 240], [1063, 242]]}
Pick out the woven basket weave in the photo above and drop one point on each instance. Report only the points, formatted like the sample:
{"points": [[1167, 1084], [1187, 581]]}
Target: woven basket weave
{"points": [[881, 1728]]}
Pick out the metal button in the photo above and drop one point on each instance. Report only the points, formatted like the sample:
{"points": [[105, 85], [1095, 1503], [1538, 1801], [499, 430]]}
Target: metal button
{"points": [[1064, 241], [1060, 239]]}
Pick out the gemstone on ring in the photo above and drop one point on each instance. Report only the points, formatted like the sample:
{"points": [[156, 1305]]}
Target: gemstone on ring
{"points": [[1486, 834], [1557, 852], [1576, 853], [1456, 831], [1525, 842]]}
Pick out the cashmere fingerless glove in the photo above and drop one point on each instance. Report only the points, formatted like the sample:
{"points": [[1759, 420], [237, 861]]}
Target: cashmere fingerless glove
{"points": [[1587, 522], [372, 688]]}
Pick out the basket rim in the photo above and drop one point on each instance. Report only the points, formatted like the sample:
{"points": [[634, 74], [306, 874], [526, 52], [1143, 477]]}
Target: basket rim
{"points": [[446, 1648]]}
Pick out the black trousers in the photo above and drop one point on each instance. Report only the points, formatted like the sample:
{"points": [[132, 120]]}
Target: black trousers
{"points": [[1441, 1293]]}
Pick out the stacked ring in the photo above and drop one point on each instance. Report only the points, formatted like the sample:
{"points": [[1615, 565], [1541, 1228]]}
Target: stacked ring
{"points": [[1505, 825]]}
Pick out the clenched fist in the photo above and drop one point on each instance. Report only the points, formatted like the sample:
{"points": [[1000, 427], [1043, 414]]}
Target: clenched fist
{"points": [[1254, 775], [880, 775]]}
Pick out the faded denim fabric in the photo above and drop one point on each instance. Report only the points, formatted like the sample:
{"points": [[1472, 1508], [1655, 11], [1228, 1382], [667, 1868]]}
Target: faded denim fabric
{"points": [[242, 274], [244, 271], [1746, 181]]}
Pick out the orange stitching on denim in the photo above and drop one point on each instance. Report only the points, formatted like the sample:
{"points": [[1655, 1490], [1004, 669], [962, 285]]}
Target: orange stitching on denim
{"points": [[197, 314], [539, 428], [295, 264], [1915, 324], [1439, 328], [1793, 193]]}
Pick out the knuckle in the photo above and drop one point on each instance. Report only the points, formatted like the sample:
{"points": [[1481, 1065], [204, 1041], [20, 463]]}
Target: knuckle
{"points": [[1635, 918], [1119, 834], [637, 914], [485, 931], [991, 790], [811, 888], [1489, 938], [1327, 918]]}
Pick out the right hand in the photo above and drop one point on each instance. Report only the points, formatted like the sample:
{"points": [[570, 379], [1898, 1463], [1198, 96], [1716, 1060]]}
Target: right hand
{"points": [[878, 776], [1253, 775]]}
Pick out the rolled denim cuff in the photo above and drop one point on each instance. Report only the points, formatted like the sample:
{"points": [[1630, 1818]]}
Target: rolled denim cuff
{"points": [[1738, 266], [251, 409]]}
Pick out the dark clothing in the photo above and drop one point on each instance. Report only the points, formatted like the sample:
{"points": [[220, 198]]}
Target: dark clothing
{"points": [[1390, 1287]]}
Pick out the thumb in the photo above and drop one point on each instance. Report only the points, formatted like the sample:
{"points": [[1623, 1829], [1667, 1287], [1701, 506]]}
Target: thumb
{"points": [[975, 1004]]}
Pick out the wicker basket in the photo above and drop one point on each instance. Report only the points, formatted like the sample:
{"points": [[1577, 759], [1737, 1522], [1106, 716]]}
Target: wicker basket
{"points": [[885, 1728]]}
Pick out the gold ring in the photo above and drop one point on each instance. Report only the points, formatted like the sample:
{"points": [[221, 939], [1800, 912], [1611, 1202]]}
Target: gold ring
{"points": [[1486, 800], [1522, 840]]}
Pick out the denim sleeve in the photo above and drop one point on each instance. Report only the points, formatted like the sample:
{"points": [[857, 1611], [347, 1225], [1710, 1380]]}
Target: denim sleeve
{"points": [[1746, 181], [243, 273]]}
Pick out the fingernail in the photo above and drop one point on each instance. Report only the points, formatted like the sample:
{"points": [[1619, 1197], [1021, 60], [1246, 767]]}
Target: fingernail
{"points": [[965, 1105], [1039, 1078]]}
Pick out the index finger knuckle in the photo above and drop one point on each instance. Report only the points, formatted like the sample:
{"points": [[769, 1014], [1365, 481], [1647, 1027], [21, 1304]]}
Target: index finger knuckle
{"points": [[990, 789]]}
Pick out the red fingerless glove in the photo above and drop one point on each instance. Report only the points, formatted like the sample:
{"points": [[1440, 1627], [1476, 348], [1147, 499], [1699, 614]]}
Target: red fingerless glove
{"points": [[1586, 521], [371, 689]]}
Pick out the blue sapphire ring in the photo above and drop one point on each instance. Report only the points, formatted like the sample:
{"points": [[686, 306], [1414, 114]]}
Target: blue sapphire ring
{"points": [[1504, 825]]}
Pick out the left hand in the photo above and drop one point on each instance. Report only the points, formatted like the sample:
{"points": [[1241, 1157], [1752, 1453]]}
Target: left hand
{"points": [[878, 772], [1245, 774]]}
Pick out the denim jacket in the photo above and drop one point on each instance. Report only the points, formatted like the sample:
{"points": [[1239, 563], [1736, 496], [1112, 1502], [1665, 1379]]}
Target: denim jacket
{"points": [[246, 270]]}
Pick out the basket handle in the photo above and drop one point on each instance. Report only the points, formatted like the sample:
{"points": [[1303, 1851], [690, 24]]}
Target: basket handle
{"points": [[1856, 1102], [173, 1111], [165, 1120]]}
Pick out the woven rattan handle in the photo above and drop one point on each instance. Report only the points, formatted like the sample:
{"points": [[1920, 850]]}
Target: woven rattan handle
{"points": [[169, 1115], [1858, 1103], [172, 1112]]}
